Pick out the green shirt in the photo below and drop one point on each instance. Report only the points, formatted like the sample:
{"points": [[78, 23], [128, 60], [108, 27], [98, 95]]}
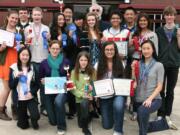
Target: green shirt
{"points": [[80, 84]]}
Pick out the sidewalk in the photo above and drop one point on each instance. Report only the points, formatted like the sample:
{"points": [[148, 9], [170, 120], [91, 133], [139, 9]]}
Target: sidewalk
{"points": [[130, 127]]}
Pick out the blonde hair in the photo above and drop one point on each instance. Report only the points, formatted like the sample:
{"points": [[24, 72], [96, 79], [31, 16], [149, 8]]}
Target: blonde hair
{"points": [[37, 9], [169, 10]]}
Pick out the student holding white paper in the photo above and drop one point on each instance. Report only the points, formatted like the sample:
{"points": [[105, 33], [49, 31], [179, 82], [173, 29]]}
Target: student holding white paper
{"points": [[8, 56], [53, 66], [112, 107]]}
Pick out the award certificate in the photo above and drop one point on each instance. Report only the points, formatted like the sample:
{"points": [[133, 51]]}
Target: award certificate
{"points": [[103, 88], [122, 86], [122, 47], [7, 37]]}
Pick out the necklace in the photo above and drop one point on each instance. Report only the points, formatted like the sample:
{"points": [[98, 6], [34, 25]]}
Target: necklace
{"points": [[37, 32]]}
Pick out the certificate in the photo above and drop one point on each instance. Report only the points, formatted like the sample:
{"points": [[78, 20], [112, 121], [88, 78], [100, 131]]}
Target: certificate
{"points": [[54, 85], [122, 47], [122, 87], [103, 88], [7, 37]]}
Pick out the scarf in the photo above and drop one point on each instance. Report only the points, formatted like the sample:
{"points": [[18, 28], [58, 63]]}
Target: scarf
{"points": [[144, 71], [54, 64]]}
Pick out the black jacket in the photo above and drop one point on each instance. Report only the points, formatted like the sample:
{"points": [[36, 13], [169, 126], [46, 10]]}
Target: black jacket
{"points": [[169, 53]]}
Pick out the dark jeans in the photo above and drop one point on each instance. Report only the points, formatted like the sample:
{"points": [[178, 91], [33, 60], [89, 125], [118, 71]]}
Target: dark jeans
{"points": [[55, 106], [32, 107], [71, 103], [83, 113], [167, 93], [112, 112], [42, 95], [143, 114]]}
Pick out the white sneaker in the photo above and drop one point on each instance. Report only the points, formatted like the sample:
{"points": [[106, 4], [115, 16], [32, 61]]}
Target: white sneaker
{"points": [[171, 124], [117, 133], [159, 118], [61, 132]]}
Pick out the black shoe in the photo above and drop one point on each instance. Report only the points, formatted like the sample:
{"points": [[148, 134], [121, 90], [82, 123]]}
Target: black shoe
{"points": [[24, 125], [35, 124], [94, 114], [86, 131]]}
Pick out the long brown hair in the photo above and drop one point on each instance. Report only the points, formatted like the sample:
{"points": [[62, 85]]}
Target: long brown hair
{"points": [[9, 13], [117, 68], [96, 29], [89, 69]]}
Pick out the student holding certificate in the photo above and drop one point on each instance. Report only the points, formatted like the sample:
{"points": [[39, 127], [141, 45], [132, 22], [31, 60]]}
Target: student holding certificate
{"points": [[112, 107], [8, 56], [53, 66], [82, 75], [24, 81], [149, 83]]}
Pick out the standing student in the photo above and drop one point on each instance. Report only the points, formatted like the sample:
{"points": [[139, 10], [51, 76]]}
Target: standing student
{"points": [[169, 55], [23, 79], [130, 19], [83, 69], [53, 66], [92, 35], [36, 35], [8, 56], [24, 21], [112, 107]]}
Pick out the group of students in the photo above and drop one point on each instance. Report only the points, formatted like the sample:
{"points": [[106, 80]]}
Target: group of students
{"points": [[94, 48]]}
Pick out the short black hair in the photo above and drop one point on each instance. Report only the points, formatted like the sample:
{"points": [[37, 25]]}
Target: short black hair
{"points": [[116, 12], [130, 8], [68, 7]]}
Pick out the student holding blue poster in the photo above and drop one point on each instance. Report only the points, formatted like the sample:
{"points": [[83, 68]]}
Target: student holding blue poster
{"points": [[53, 66]]}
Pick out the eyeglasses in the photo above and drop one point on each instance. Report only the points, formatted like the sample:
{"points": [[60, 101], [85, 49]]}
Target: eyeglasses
{"points": [[109, 50], [117, 18], [55, 49], [95, 10]]}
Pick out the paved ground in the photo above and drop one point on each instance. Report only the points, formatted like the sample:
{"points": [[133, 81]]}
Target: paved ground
{"points": [[130, 128]]}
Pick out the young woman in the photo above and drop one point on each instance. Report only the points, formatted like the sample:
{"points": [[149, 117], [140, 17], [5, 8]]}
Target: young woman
{"points": [[8, 56], [53, 66], [23, 79], [142, 33], [57, 27], [93, 36], [112, 107], [82, 70], [169, 46], [149, 83]]}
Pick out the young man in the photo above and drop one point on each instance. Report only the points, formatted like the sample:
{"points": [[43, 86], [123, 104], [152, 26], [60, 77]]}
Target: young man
{"points": [[130, 19], [169, 56], [35, 38]]}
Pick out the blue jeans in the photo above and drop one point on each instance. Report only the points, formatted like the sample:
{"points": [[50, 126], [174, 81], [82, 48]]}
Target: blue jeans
{"points": [[55, 106], [143, 114], [112, 112]]}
